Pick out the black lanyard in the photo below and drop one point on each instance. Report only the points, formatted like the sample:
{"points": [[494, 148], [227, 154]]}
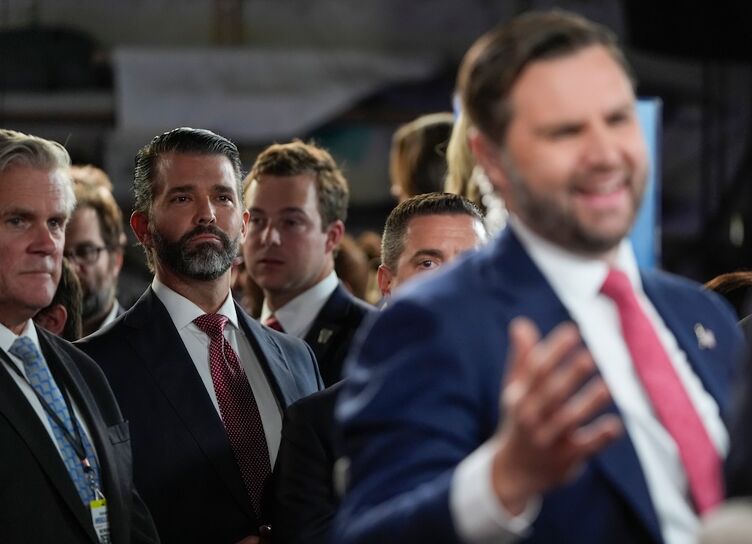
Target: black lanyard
{"points": [[76, 442]]}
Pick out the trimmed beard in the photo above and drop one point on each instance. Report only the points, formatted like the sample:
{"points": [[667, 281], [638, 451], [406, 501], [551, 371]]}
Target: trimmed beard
{"points": [[550, 219], [205, 261]]}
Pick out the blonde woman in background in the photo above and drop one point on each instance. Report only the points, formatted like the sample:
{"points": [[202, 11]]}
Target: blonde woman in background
{"points": [[467, 179]]}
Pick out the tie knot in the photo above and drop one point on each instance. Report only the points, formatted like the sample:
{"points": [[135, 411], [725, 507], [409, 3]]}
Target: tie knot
{"points": [[273, 323], [24, 348], [211, 324], [617, 286]]}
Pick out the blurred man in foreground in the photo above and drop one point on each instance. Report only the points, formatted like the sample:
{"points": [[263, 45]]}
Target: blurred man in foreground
{"points": [[546, 389]]}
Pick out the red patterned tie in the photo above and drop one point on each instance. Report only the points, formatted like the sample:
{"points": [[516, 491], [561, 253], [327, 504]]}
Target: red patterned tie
{"points": [[238, 408], [670, 400], [273, 323]]}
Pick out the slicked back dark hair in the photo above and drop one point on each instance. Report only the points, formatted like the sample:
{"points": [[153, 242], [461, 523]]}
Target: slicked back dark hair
{"points": [[184, 140], [393, 238], [495, 61]]}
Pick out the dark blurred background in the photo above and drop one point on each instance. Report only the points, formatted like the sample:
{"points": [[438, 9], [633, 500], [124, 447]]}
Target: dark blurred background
{"points": [[105, 76]]}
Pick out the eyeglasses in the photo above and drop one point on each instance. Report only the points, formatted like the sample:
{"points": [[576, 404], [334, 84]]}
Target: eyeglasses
{"points": [[85, 253]]}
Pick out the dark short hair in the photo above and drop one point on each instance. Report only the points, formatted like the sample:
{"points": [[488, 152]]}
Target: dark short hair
{"points": [[495, 61], [417, 160], [295, 158], [393, 239], [184, 140]]}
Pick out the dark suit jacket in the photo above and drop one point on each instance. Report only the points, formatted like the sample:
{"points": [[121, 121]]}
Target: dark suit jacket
{"points": [[333, 330], [181, 454], [38, 500], [739, 461], [424, 394], [305, 500]]}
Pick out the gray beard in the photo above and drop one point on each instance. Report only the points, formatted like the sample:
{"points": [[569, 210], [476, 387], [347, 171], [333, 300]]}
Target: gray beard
{"points": [[204, 262]]}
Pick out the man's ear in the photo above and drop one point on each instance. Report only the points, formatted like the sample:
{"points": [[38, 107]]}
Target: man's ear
{"points": [[385, 279], [488, 156], [140, 227], [52, 318], [244, 227], [334, 234]]}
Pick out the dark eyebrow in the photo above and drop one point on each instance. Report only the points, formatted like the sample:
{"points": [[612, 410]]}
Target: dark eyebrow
{"points": [[224, 189], [181, 189], [293, 209], [288, 210], [566, 125], [621, 110], [427, 252]]}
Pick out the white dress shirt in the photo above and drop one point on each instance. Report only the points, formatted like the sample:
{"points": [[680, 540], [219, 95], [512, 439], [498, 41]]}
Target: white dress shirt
{"points": [[182, 312], [577, 281], [7, 337], [296, 317]]}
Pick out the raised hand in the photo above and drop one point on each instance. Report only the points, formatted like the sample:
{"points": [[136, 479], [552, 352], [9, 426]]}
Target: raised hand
{"points": [[547, 428]]}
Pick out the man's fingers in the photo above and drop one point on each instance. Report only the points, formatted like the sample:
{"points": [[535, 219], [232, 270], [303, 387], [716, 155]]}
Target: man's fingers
{"points": [[533, 370], [592, 438], [564, 382], [523, 336], [575, 412], [549, 353]]}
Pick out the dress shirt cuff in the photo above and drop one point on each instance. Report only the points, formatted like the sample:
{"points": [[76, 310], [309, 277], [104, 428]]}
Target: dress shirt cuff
{"points": [[478, 515]]}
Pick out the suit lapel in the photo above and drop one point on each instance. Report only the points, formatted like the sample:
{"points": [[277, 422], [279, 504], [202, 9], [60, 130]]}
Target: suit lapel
{"points": [[15, 406], [152, 334], [679, 322], [521, 284], [98, 429], [270, 358], [327, 325]]}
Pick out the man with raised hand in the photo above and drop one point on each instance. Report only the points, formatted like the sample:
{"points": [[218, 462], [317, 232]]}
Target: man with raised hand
{"points": [[546, 389]]}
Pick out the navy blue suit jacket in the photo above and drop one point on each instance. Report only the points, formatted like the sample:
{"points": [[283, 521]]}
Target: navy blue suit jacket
{"points": [[424, 393], [38, 500], [305, 500], [182, 457], [333, 330]]}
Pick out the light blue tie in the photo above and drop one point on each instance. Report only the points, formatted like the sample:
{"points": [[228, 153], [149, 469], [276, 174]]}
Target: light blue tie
{"points": [[40, 379]]}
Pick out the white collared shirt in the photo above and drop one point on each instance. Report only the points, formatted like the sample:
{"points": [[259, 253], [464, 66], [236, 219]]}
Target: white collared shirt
{"points": [[7, 337], [297, 316], [577, 281], [182, 312]]}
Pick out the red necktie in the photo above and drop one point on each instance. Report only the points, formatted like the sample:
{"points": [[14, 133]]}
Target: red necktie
{"points": [[670, 400], [273, 323], [238, 408]]}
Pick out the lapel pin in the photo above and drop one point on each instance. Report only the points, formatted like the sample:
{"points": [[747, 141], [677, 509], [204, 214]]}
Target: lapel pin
{"points": [[324, 336], [705, 337]]}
